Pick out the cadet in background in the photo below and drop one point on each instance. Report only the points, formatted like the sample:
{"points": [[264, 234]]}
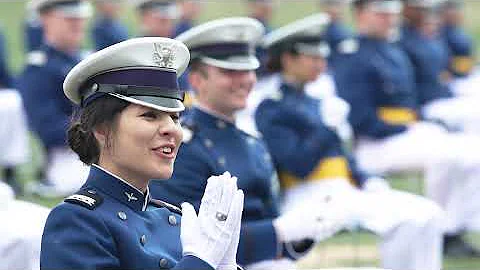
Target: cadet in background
{"points": [[305, 138], [107, 29], [222, 73], [377, 81], [48, 111]]}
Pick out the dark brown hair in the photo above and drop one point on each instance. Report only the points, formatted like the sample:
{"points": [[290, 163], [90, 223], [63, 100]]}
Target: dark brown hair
{"points": [[102, 111]]}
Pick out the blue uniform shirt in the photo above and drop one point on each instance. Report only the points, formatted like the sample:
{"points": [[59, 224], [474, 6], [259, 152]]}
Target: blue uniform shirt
{"points": [[40, 84], [109, 224], [217, 146], [377, 81], [336, 33], [33, 36], [5, 79], [302, 147], [460, 48], [429, 57], [107, 31], [182, 26]]}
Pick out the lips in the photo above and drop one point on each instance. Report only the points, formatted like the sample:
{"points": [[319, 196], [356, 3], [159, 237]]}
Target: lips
{"points": [[165, 151]]}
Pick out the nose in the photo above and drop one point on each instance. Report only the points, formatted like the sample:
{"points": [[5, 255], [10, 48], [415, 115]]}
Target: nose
{"points": [[170, 129]]}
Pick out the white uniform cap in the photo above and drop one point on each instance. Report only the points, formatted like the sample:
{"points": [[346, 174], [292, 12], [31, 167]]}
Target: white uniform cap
{"points": [[227, 43], [425, 3], [143, 71], [69, 8], [165, 8], [305, 35]]}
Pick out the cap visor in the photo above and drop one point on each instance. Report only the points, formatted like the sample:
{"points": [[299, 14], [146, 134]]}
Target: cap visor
{"points": [[234, 62], [158, 103]]}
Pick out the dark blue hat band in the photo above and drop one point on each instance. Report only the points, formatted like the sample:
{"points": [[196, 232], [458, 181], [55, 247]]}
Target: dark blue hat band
{"points": [[132, 82], [222, 50]]}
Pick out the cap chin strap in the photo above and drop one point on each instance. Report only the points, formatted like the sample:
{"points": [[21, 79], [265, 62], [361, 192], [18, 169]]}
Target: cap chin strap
{"points": [[132, 90]]}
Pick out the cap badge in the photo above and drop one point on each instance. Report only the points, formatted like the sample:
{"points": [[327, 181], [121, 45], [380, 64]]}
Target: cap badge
{"points": [[163, 55]]}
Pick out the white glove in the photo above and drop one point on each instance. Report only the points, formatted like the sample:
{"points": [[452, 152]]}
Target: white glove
{"points": [[334, 111], [315, 220], [215, 231], [376, 184]]}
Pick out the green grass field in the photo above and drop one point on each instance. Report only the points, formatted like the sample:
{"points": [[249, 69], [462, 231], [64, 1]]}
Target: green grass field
{"points": [[347, 249]]}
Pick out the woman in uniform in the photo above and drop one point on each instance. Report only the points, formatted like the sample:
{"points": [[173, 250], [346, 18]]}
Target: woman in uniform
{"points": [[128, 131]]}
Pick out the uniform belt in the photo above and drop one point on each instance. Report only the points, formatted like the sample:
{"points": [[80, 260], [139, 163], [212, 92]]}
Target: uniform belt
{"points": [[327, 168], [462, 64], [397, 116]]}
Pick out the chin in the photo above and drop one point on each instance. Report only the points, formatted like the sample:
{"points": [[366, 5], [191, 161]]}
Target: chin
{"points": [[163, 173]]}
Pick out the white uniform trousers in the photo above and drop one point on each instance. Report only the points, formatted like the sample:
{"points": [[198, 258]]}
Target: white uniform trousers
{"points": [[14, 148], [65, 171], [21, 231], [461, 112], [450, 162], [411, 226]]}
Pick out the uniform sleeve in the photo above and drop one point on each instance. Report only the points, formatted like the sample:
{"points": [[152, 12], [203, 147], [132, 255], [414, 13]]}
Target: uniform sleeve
{"points": [[5, 79], [48, 113], [292, 151], [75, 238], [356, 85]]}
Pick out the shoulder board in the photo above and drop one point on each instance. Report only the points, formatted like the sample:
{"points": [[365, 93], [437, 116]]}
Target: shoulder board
{"points": [[169, 206], [348, 46], [37, 58], [85, 198]]}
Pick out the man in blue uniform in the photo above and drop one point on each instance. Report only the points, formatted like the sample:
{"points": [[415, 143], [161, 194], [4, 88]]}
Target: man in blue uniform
{"points": [[222, 74], [459, 43], [189, 12], [156, 17], [378, 82], [304, 136], [337, 34], [262, 11], [5, 79], [48, 111], [33, 29], [421, 40], [107, 30]]}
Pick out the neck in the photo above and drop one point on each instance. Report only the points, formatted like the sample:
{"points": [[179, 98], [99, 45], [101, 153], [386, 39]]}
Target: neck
{"points": [[137, 181], [293, 80]]}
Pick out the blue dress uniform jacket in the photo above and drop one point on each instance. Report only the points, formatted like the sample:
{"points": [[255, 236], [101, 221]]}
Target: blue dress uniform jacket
{"points": [[5, 79], [107, 31], [377, 81], [217, 146], [33, 36], [429, 57], [183, 26], [460, 48], [109, 224], [302, 147], [40, 84], [335, 35]]}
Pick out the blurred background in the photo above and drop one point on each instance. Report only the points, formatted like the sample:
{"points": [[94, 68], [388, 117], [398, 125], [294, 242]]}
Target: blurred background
{"points": [[347, 249]]}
